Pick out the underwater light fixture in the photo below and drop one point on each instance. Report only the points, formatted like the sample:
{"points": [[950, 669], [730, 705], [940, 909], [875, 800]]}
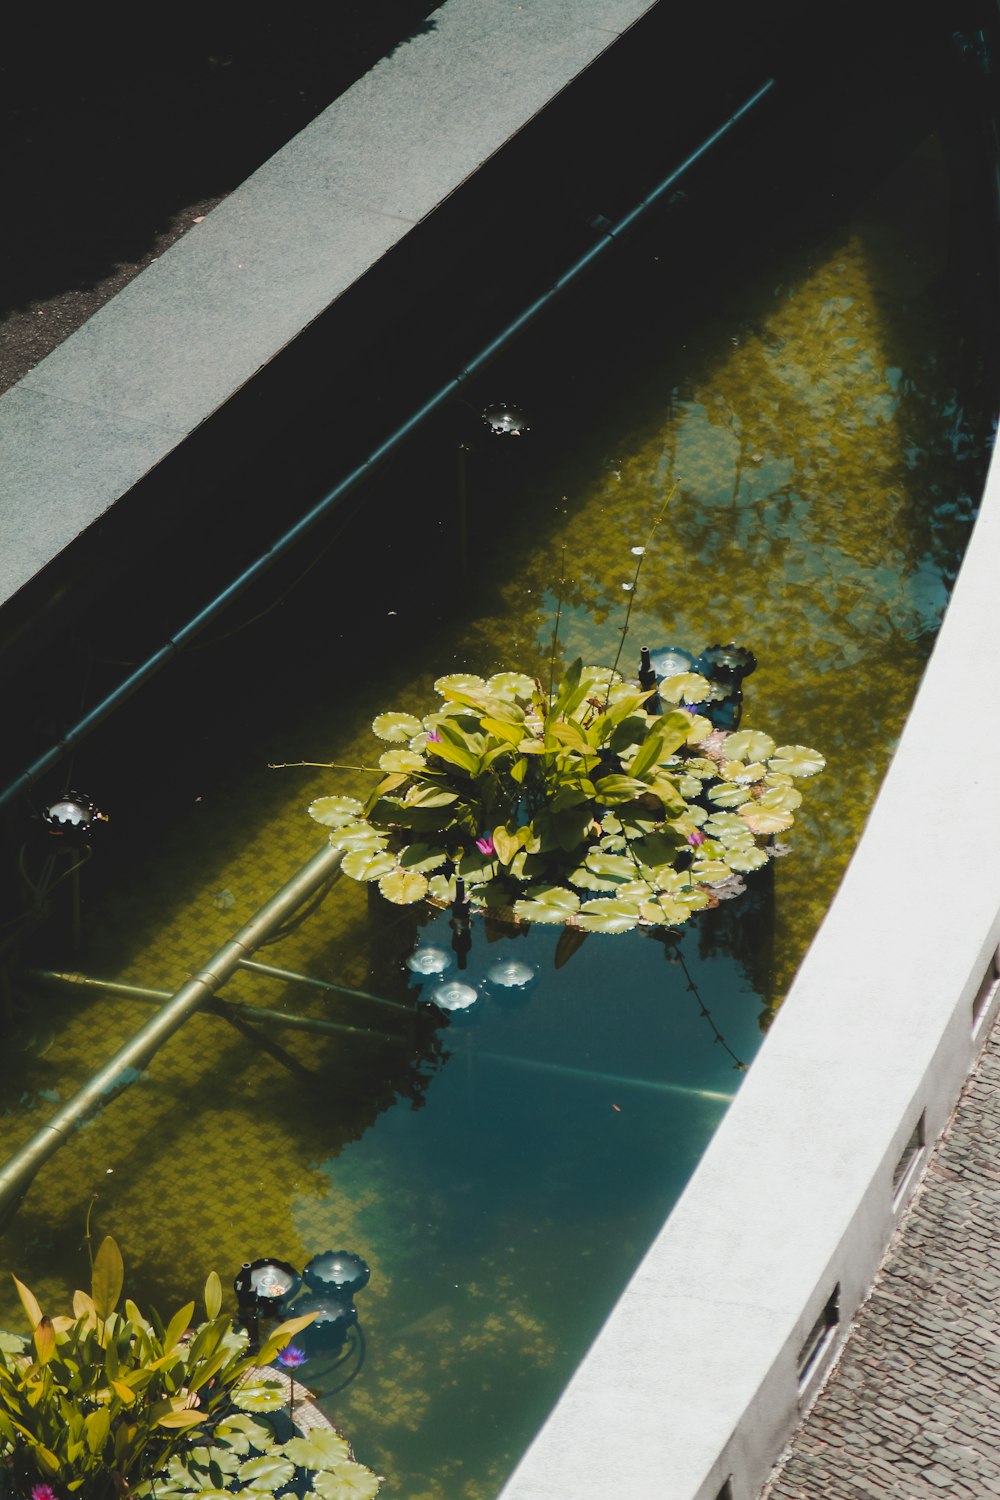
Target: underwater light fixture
{"points": [[262, 1285], [338, 1273], [72, 816], [505, 420], [453, 995], [726, 663], [670, 661], [511, 974], [428, 960]]}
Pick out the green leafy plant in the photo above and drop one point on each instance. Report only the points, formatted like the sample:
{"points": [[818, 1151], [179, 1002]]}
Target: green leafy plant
{"points": [[106, 1403], [595, 804]]}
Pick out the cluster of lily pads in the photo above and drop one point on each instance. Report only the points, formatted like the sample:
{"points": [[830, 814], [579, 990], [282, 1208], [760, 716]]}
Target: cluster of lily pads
{"points": [[108, 1402], [596, 804]]}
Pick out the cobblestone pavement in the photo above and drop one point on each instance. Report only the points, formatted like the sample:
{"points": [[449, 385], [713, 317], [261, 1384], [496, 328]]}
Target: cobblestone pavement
{"points": [[913, 1407]]}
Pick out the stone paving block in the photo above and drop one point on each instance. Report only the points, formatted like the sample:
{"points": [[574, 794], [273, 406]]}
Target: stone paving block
{"points": [[912, 1410]]}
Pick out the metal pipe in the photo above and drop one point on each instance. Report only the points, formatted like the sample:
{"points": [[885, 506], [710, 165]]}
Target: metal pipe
{"points": [[122, 1069], [273, 972], [224, 1008], [177, 642]]}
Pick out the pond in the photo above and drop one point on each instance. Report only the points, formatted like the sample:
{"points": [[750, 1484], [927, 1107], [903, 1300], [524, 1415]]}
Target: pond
{"points": [[817, 398]]}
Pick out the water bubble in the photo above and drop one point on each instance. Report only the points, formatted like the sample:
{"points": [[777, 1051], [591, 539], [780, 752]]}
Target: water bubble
{"points": [[628, 587], [510, 973], [453, 995], [638, 551], [429, 961]]}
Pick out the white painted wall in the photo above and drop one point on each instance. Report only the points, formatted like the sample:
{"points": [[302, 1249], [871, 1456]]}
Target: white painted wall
{"points": [[693, 1380]]}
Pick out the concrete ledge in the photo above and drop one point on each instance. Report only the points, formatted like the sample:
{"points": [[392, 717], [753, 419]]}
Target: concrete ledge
{"points": [[693, 1381], [122, 395]]}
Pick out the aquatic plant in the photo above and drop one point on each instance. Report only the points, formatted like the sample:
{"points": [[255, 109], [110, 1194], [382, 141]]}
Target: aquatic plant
{"points": [[105, 1403], [598, 804]]}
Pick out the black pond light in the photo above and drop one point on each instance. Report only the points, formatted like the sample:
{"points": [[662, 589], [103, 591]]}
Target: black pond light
{"points": [[505, 420], [725, 667], [338, 1273], [262, 1288], [72, 817]]}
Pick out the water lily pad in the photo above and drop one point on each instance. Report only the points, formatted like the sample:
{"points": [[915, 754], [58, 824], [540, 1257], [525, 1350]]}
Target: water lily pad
{"points": [[396, 727], [422, 858], [587, 880], [459, 682], [552, 904], [322, 1449], [348, 1481], [442, 888], [690, 687], [334, 812], [402, 760], [357, 836], [700, 729], [608, 916], [617, 866], [510, 685], [742, 773], [368, 864], [710, 871], [664, 911], [269, 1473], [729, 794], [258, 1395], [796, 760], [747, 857], [403, 887], [748, 744]]}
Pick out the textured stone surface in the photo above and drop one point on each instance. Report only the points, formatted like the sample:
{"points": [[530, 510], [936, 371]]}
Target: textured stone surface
{"points": [[912, 1410]]}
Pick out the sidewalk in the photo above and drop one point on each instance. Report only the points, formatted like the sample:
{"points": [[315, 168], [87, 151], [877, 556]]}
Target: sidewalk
{"points": [[912, 1410]]}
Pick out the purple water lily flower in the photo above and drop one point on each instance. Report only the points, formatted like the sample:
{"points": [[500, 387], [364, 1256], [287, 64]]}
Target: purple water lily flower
{"points": [[433, 738], [292, 1356], [42, 1492], [485, 844], [696, 838]]}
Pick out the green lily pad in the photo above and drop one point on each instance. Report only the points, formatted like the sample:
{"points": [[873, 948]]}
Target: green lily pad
{"points": [[403, 887], [357, 836], [322, 1449], [710, 871], [348, 1481], [368, 864], [258, 1395], [442, 888], [617, 866], [459, 682], [728, 794], [588, 881], [510, 685], [402, 760], [725, 826], [552, 904], [421, 858], [689, 686], [664, 911], [742, 772], [334, 812], [269, 1472], [396, 727], [796, 760], [747, 857], [700, 729], [608, 916], [749, 744]]}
